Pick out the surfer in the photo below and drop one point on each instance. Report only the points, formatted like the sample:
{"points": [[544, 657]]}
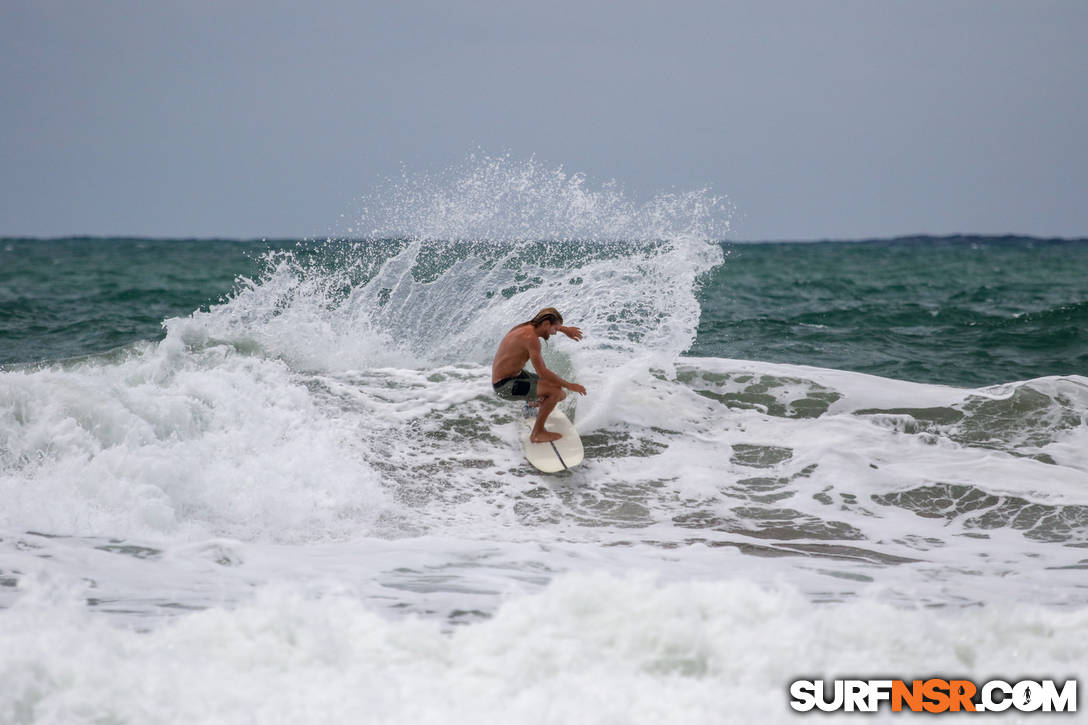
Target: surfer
{"points": [[544, 388]]}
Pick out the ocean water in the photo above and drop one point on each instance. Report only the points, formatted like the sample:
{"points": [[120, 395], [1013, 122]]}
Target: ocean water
{"points": [[267, 481]]}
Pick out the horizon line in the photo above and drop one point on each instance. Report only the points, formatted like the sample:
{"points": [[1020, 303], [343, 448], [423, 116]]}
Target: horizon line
{"points": [[318, 239]]}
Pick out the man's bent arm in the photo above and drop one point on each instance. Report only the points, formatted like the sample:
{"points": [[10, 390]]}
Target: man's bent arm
{"points": [[541, 369]]}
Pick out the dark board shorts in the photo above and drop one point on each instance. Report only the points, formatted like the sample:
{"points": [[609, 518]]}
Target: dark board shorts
{"points": [[519, 387]]}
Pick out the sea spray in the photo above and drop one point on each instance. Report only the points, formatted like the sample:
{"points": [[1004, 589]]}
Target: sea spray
{"points": [[452, 261]]}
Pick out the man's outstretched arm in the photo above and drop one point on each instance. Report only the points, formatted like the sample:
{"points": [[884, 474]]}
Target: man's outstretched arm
{"points": [[572, 332]]}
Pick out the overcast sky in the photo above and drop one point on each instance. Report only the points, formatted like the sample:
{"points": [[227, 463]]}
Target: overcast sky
{"points": [[817, 119]]}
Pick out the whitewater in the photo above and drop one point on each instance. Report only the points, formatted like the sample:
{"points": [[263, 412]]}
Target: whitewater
{"points": [[305, 504]]}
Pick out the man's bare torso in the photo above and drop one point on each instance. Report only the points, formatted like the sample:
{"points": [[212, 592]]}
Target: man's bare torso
{"points": [[513, 353]]}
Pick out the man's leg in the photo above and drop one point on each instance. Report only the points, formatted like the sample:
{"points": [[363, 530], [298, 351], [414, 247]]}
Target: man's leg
{"points": [[549, 395]]}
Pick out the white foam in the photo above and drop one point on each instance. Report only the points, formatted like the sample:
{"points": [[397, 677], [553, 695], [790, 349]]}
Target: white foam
{"points": [[176, 444], [588, 648]]}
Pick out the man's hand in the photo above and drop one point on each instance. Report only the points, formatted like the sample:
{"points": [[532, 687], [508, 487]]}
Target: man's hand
{"points": [[576, 388], [572, 332]]}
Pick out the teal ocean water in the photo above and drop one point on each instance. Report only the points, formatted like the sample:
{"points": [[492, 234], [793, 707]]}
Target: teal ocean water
{"points": [[965, 311], [961, 311]]}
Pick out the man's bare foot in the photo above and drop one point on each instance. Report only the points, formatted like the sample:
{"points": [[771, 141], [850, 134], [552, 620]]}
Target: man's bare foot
{"points": [[544, 437]]}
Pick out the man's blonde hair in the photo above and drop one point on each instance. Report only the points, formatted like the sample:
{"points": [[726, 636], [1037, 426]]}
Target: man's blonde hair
{"points": [[548, 314]]}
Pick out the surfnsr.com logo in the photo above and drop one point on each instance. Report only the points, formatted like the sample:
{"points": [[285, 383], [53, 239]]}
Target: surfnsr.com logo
{"points": [[934, 695]]}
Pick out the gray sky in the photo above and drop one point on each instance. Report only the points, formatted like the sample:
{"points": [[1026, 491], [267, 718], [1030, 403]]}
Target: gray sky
{"points": [[817, 119]]}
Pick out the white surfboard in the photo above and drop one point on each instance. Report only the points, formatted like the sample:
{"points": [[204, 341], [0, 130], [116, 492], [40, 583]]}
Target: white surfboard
{"points": [[560, 455]]}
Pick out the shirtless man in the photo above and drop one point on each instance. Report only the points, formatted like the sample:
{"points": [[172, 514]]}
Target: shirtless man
{"points": [[512, 382]]}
